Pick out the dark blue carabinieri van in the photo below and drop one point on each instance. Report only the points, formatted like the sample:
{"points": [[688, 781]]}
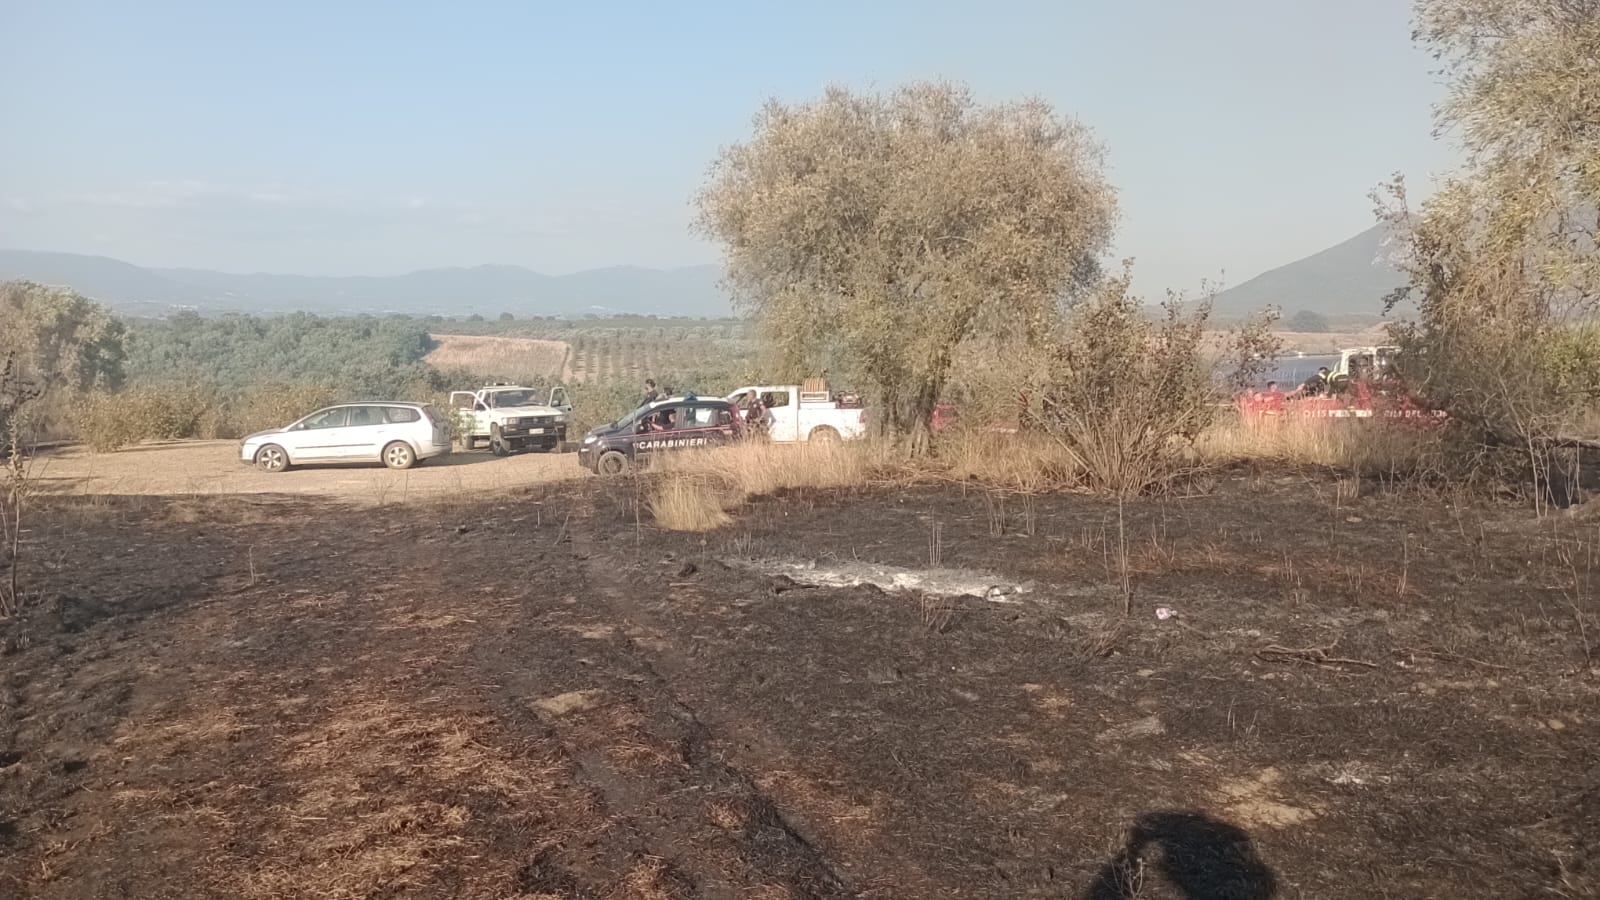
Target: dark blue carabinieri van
{"points": [[677, 423]]}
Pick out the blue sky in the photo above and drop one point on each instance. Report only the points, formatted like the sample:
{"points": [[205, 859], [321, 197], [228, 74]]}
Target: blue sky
{"points": [[359, 137]]}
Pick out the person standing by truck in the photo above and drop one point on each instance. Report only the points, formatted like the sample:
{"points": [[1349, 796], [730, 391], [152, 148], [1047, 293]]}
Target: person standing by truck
{"points": [[651, 395], [755, 414]]}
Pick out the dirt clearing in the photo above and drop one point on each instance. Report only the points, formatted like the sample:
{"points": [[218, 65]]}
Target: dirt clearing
{"points": [[538, 695], [213, 468]]}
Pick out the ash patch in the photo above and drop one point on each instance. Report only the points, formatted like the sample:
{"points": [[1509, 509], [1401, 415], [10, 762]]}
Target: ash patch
{"points": [[937, 582]]}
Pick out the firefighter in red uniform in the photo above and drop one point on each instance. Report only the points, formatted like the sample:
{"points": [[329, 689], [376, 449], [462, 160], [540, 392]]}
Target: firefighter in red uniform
{"points": [[1271, 400]]}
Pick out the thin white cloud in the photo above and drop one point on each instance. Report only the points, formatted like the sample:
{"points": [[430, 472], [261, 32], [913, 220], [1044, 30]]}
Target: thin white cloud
{"points": [[289, 206], [280, 226], [192, 193]]}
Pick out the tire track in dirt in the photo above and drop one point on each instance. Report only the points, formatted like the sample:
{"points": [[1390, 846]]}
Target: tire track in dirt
{"points": [[651, 758]]}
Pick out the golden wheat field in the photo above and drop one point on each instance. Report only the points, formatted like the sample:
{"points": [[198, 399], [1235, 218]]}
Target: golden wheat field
{"points": [[592, 355], [513, 358]]}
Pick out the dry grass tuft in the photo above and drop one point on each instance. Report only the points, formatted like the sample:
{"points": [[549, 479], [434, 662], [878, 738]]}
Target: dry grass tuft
{"points": [[375, 797], [694, 491], [648, 880], [1360, 446], [688, 503], [343, 831], [1024, 463], [727, 815], [757, 468]]}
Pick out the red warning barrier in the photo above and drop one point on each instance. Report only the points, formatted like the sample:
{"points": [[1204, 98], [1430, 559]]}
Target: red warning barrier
{"points": [[1264, 406]]}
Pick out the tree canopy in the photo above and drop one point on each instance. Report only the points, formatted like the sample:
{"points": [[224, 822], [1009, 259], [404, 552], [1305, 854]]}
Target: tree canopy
{"points": [[1524, 100], [365, 355], [1502, 258], [878, 232], [59, 338]]}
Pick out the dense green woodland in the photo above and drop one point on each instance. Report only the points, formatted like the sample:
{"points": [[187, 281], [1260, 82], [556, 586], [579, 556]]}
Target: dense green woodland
{"points": [[116, 381], [365, 355]]}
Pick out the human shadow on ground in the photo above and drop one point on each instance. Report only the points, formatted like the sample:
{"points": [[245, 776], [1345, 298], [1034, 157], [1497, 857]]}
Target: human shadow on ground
{"points": [[1199, 857]]}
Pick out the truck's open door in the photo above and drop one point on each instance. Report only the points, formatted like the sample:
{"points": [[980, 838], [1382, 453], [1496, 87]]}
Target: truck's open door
{"points": [[467, 408], [559, 399]]}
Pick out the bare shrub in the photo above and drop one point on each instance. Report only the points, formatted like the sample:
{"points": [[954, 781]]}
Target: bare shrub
{"points": [[14, 497], [1129, 395], [17, 394]]}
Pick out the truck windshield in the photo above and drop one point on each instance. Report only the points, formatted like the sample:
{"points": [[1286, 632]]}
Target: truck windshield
{"points": [[503, 399]]}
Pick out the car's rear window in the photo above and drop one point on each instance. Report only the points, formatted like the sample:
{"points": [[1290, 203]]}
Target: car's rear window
{"points": [[361, 416], [398, 414]]}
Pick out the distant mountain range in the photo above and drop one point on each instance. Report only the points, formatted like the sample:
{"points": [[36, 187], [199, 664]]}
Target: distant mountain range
{"points": [[487, 290], [1351, 278]]}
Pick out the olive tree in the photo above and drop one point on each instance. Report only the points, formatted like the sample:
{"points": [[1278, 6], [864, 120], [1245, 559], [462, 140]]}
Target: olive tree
{"points": [[60, 337], [1502, 259], [878, 232], [59, 343]]}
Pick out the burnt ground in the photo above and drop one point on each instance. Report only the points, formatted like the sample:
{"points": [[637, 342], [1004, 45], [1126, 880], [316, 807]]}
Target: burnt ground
{"points": [[540, 696]]}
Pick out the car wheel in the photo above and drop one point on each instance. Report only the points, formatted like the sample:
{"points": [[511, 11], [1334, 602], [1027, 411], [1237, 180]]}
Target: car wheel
{"points": [[399, 455], [468, 442], [612, 462], [823, 434], [272, 458]]}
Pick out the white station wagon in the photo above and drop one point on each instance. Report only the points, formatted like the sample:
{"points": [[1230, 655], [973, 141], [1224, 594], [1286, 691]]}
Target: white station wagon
{"points": [[399, 435]]}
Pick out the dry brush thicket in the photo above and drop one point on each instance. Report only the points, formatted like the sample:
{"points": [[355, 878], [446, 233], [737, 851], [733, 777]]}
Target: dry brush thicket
{"points": [[1502, 257], [19, 393]]}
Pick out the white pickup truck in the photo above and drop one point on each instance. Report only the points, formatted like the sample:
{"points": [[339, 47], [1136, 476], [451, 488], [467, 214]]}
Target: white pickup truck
{"points": [[512, 418], [806, 412]]}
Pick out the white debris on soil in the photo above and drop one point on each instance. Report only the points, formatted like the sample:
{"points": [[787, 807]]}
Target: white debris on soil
{"points": [[938, 582], [570, 702]]}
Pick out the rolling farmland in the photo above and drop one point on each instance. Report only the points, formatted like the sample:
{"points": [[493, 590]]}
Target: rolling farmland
{"points": [[517, 359], [586, 353]]}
